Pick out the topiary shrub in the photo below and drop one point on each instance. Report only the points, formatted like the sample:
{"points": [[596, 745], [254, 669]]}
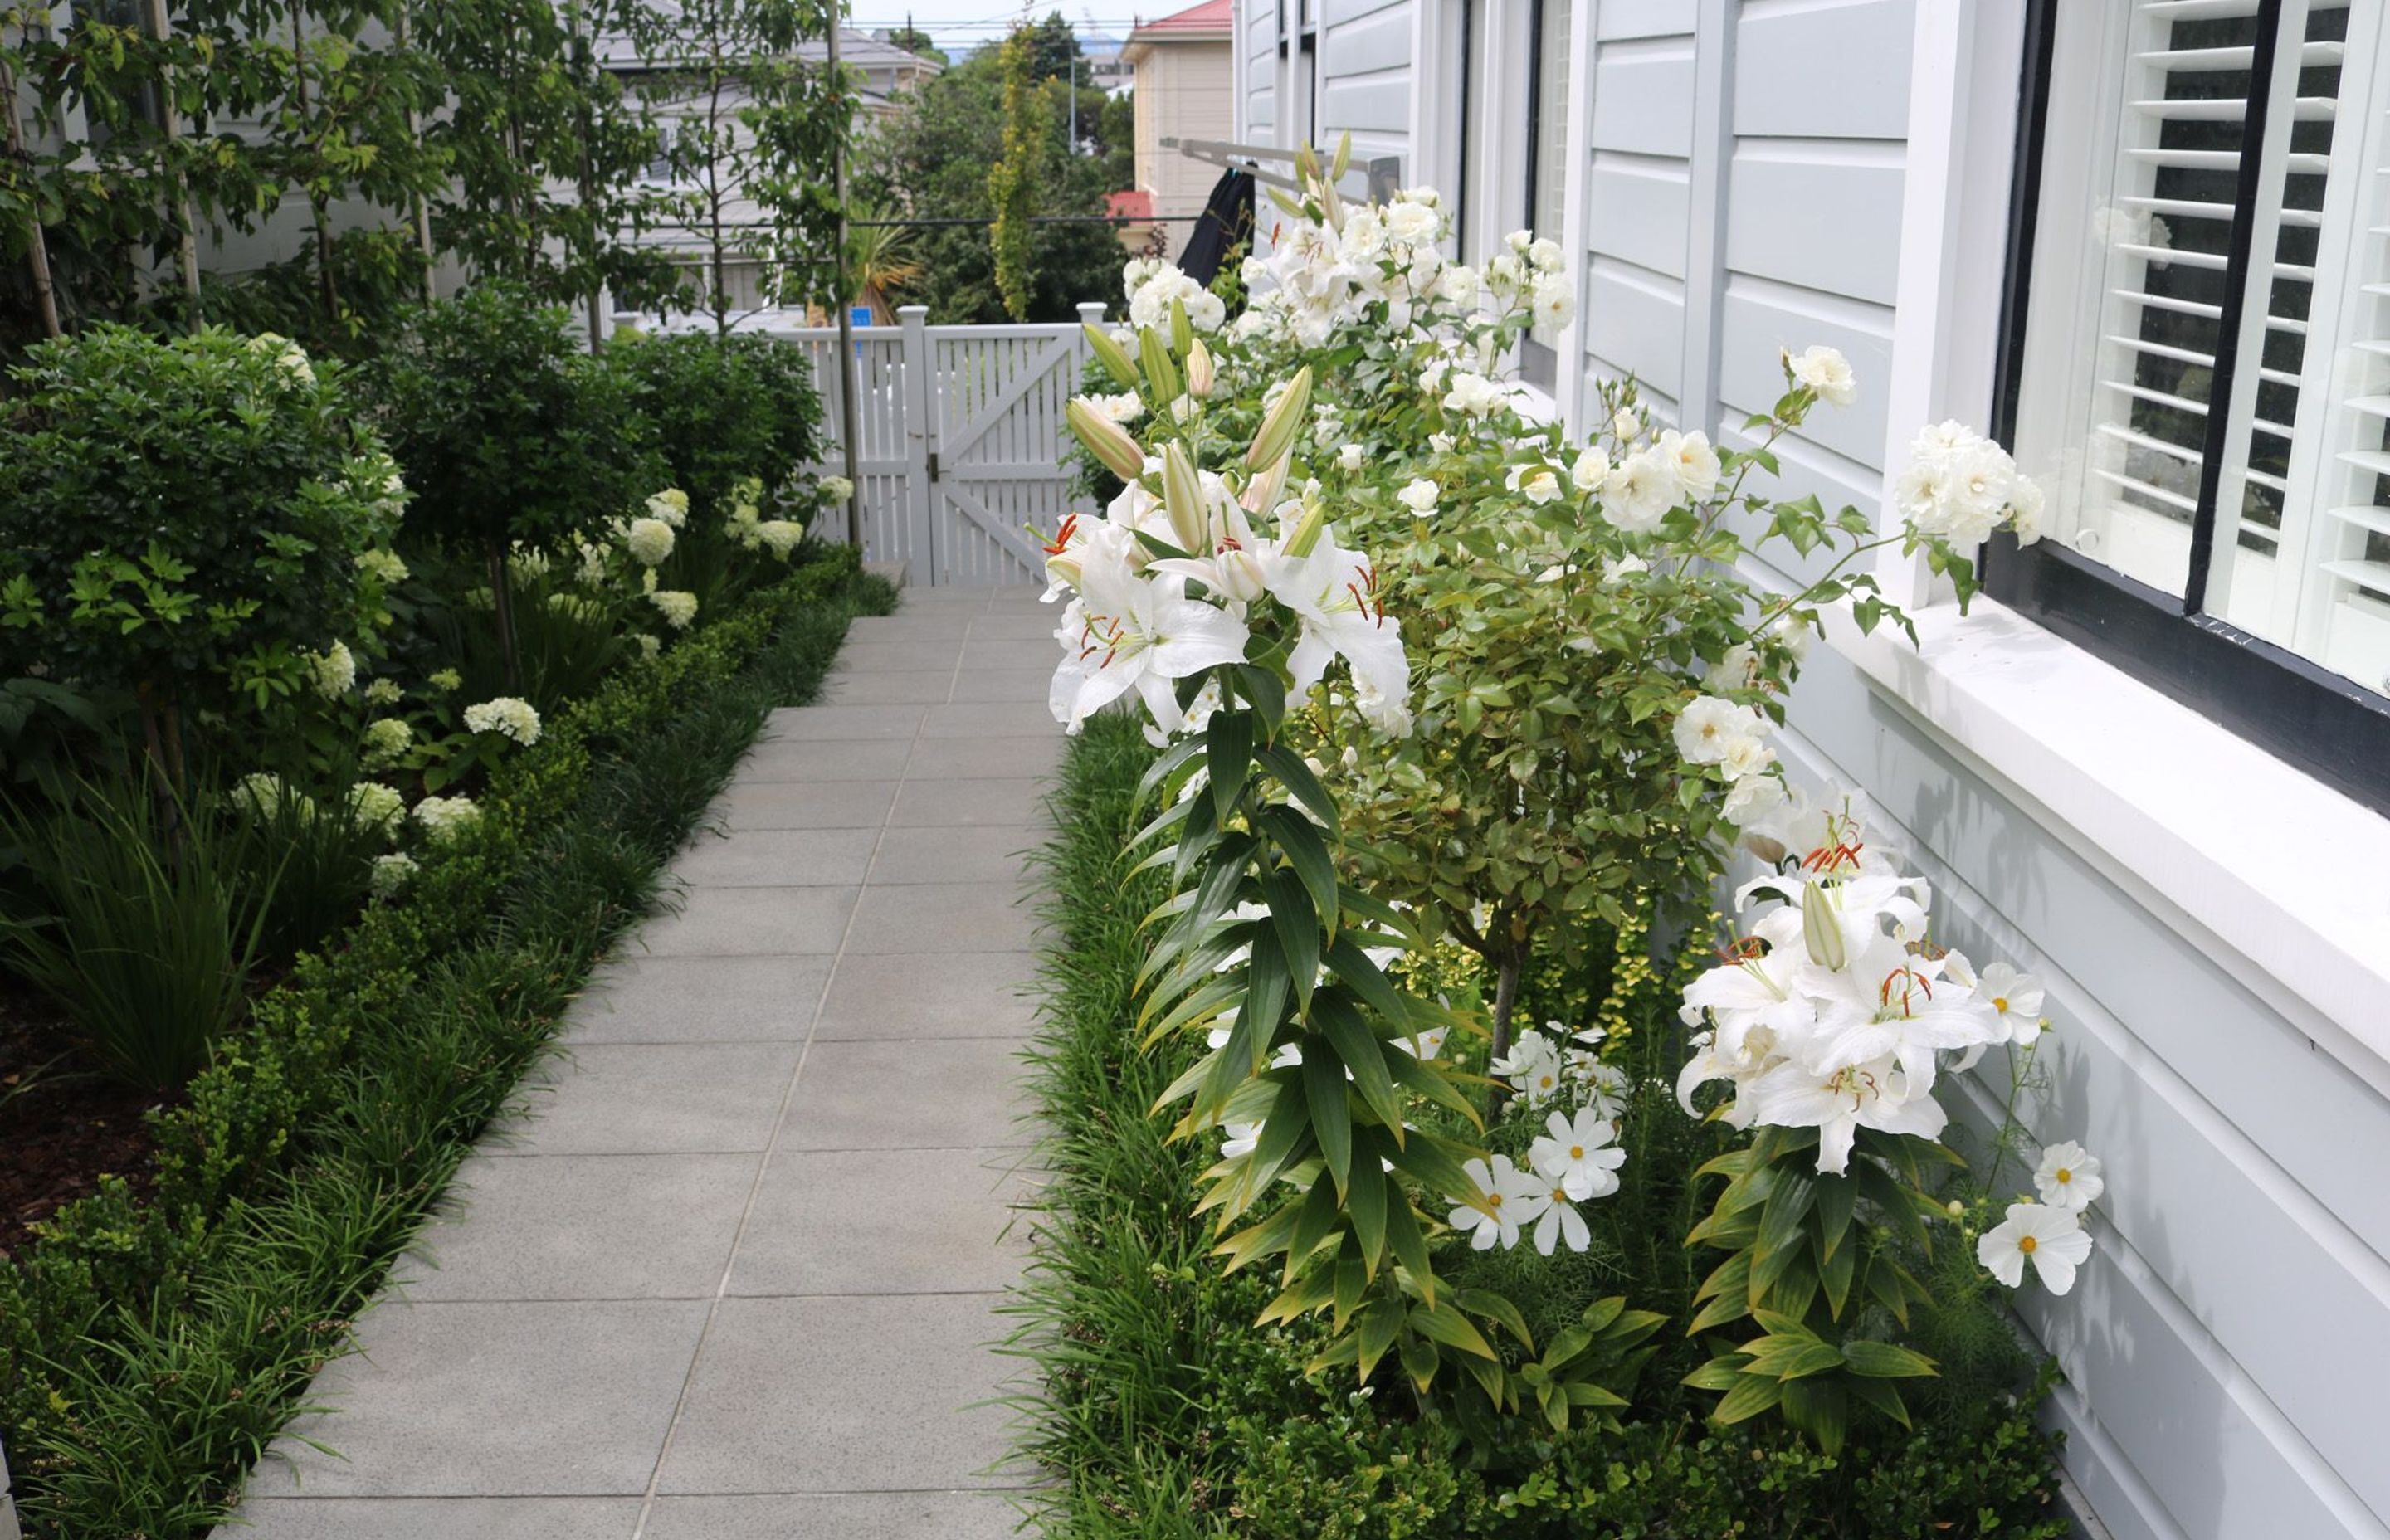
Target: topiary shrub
{"points": [[183, 519], [724, 409], [510, 434]]}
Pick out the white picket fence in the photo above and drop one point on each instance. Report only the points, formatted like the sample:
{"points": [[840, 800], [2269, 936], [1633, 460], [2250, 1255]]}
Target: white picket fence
{"points": [[962, 440]]}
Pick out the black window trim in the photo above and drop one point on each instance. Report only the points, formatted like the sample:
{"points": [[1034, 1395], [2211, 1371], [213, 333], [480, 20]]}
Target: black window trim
{"points": [[2327, 726]]}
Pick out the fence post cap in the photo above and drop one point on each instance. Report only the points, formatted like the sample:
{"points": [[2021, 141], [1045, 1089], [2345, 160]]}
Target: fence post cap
{"points": [[1092, 312], [905, 312]]}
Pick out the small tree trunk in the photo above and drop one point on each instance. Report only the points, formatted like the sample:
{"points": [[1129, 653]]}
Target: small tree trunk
{"points": [[1506, 1000], [161, 740], [316, 202], [503, 605], [38, 251], [187, 228], [422, 205]]}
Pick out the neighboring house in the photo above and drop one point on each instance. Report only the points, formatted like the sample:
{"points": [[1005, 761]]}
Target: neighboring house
{"points": [[1183, 84], [883, 71], [2147, 243]]}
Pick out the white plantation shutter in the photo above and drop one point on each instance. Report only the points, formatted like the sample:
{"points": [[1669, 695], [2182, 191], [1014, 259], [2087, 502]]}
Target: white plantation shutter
{"points": [[2248, 475]]}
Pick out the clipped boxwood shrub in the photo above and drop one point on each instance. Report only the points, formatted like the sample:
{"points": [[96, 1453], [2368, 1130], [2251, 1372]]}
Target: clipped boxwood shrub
{"points": [[182, 519]]}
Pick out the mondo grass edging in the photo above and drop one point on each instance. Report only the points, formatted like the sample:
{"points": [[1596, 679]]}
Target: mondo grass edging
{"points": [[149, 1350], [1161, 1411]]}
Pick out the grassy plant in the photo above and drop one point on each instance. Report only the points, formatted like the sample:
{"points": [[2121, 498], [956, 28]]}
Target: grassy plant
{"points": [[302, 862], [144, 930]]}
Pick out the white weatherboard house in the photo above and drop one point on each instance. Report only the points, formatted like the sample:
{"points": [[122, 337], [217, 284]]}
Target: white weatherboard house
{"points": [[2147, 243]]}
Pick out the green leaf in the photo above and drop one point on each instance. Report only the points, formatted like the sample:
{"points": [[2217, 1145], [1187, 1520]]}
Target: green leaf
{"points": [[1365, 1201], [1449, 1325], [1331, 1118], [1836, 1197], [1752, 1395], [1407, 1241], [1306, 852], [1352, 966], [1297, 930], [1228, 755], [1365, 1055], [1300, 783], [1885, 1361], [1375, 1328]]}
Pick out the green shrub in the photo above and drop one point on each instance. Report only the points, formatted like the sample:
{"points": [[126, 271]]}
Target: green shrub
{"points": [[1165, 1410], [509, 435], [182, 520], [140, 925], [149, 1350], [724, 408]]}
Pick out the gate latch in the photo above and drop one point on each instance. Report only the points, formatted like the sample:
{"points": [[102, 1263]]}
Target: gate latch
{"points": [[933, 465]]}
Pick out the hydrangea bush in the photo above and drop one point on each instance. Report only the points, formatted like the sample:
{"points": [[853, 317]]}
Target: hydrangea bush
{"points": [[1429, 668]]}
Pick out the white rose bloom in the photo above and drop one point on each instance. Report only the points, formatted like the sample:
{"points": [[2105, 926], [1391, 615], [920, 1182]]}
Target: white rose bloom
{"points": [[1460, 285], [1419, 496], [1752, 798], [1625, 427], [1125, 407], [1696, 463], [1827, 372], [1711, 727], [1555, 300], [1592, 469], [1544, 255], [1410, 222], [1351, 458], [1520, 241], [1640, 491], [1540, 484]]}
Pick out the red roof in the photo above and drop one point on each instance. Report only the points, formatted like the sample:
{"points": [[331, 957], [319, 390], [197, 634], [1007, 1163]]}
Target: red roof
{"points": [[1211, 16], [1136, 204]]}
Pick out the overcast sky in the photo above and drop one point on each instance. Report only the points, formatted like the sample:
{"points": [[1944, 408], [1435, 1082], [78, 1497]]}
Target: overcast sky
{"points": [[972, 21]]}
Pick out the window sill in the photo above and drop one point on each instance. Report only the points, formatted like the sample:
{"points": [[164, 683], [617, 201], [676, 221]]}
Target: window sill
{"points": [[2288, 873]]}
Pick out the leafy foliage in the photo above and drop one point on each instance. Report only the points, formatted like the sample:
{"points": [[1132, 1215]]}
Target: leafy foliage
{"points": [[723, 410], [183, 519]]}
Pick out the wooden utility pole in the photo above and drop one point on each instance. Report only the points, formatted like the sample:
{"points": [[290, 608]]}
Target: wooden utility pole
{"points": [[169, 120], [37, 252], [847, 415]]}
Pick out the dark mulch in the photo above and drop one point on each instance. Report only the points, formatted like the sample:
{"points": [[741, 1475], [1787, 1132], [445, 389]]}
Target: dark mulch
{"points": [[61, 1129]]}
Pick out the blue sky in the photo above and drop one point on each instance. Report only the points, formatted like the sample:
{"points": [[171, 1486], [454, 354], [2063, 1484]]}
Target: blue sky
{"points": [[974, 21]]}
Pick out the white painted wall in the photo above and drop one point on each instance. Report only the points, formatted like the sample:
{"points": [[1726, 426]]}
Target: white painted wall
{"points": [[1761, 174]]}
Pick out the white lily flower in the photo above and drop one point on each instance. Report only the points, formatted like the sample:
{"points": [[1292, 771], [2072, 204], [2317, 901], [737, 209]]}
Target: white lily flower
{"points": [[1142, 634]]}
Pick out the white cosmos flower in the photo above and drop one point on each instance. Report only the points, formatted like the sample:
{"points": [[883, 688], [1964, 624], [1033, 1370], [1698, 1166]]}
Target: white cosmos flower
{"points": [[2052, 1239], [1142, 634], [1827, 372], [1561, 1222], [1419, 496], [1602, 1085], [1578, 1154], [2068, 1177], [1509, 1198], [1533, 1067]]}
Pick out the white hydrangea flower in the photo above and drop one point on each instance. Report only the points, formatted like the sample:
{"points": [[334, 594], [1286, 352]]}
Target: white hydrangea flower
{"points": [[671, 505], [374, 805], [837, 489], [332, 672], [649, 541], [780, 535], [649, 645], [444, 820], [677, 606], [390, 875], [261, 794], [507, 717], [448, 681], [288, 355], [384, 692], [386, 737]]}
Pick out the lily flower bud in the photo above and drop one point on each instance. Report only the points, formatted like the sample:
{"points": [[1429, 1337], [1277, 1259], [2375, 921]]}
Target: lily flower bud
{"points": [[1275, 439], [1305, 535], [1182, 499], [1264, 489], [1822, 928], [1201, 371], [1112, 355], [1105, 439], [1182, 331], [1160, 372]]}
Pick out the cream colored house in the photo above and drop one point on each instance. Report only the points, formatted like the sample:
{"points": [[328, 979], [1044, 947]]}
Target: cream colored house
{"points": [[1184, 90]]}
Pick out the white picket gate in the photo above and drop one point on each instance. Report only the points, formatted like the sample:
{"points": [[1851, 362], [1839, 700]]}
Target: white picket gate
{"points": [[962, 440]]}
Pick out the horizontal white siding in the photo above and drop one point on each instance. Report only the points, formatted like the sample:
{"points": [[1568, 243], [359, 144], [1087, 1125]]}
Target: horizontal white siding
{"points": [[1365, 77], [1637, 191], [1256, 50]]}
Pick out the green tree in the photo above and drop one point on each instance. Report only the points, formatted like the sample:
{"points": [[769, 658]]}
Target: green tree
{"points": [[913, 40], [1012, 183]]}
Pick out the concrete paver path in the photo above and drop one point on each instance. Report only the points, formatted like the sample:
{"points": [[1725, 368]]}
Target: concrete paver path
{"points": [[733, 1276]]}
